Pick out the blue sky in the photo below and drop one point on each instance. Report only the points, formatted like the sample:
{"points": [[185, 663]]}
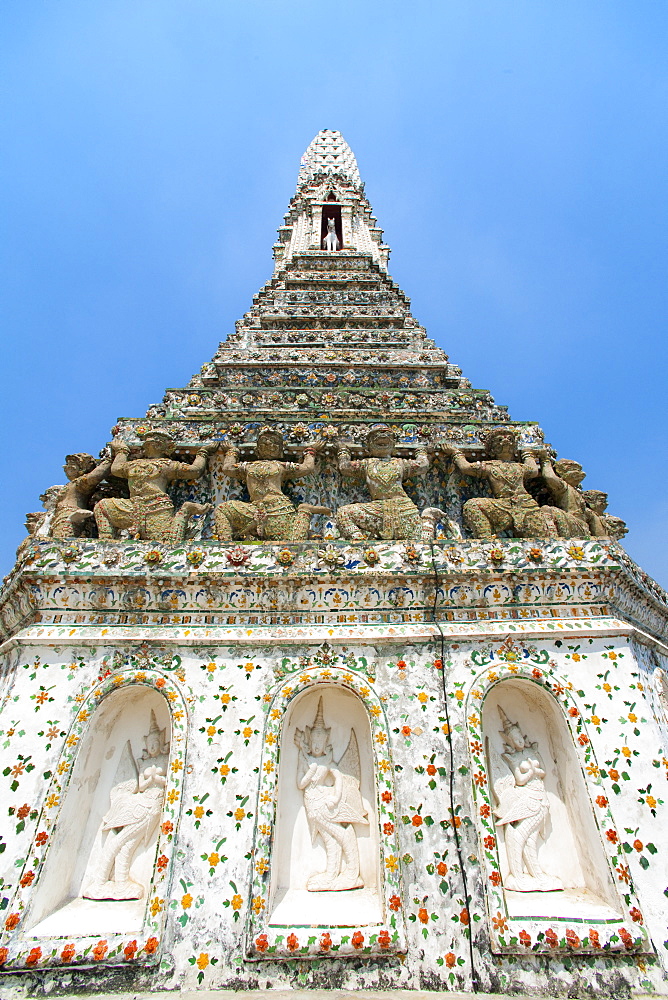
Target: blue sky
{"points": [[514, 152]]}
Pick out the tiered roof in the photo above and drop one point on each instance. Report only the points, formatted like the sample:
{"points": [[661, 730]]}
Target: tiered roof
{"points": [[330, 342]]}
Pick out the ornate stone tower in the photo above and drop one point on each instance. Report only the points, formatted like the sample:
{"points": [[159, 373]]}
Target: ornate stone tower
{"points": [[328, 673]]}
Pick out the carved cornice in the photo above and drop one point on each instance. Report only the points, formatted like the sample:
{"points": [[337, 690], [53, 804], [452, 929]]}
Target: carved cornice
{"points": [[91, 582]]}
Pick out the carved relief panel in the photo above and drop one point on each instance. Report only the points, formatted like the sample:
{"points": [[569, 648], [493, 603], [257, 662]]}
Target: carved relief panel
{"points": [[523, 808], [326, 843], [554, 872], [103, 851], [97, 871], [129, 825], [546, 834], [327, 872]]}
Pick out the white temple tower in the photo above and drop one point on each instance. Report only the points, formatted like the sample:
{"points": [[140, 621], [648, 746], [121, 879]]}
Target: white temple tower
{"points": [[418, 742]]}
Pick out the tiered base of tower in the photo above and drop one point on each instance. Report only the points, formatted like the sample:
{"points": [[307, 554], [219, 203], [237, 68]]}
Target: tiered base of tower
{"points": [[430, 654]]}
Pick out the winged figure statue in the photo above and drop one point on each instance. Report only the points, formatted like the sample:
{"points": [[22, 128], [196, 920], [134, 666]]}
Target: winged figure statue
{"points": [[522, 810], [333, 803], [134, 810]]}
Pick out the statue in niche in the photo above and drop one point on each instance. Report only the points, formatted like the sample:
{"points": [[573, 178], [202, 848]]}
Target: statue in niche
{"points": [[571, 516], [522, 810], [149, 513], [512, 507], [134, 811], [270, 514], [331, 240], [72, 514], [333, 802], [597, 502], [392, 513]]}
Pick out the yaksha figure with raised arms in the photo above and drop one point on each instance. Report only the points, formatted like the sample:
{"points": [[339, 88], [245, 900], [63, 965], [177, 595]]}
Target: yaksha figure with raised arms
{"points": [[134, 810], [332, 801], [523, 809], [572, 517], [597, 503], [71, 512], [270, 514], [512, 507], [38, 522], [149, 513], [392, 513]]}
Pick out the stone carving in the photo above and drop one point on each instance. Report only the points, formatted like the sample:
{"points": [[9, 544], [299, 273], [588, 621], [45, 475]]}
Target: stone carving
{"points": [[72, 514], [38, 522], [597, 502], [522, 810], [149, 513], [333, 802], [391, 514], [429, 519], [571, 516], [270, 514], [134, 811], [331, 240], [48, 499], [512, 507], [660, 685]]}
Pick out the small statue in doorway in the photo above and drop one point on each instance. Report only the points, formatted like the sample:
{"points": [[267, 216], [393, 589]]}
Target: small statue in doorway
{"points": [[149, 513], [133, 814], [597, 502], [512, 508], [522, 810], [333, 802], [331, 240], [270, 514], [72, 514], [391, 513]]}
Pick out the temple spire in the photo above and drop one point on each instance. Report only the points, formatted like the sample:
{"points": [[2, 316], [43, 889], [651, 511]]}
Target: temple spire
{"points": [[329, 192], [329, 153]]}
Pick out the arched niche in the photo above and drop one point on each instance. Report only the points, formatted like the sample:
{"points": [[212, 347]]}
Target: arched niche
{"points": [[311, 843], [543, 822], [120, 741], [331, 210]]}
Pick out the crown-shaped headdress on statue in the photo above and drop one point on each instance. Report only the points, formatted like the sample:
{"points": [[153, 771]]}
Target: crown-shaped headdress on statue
{"points": [[82, 459], [509, 728], [157, 435], [318, 728], [378, 429], [153, 729], [270, 434], [498, 434], [595, 496]]}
